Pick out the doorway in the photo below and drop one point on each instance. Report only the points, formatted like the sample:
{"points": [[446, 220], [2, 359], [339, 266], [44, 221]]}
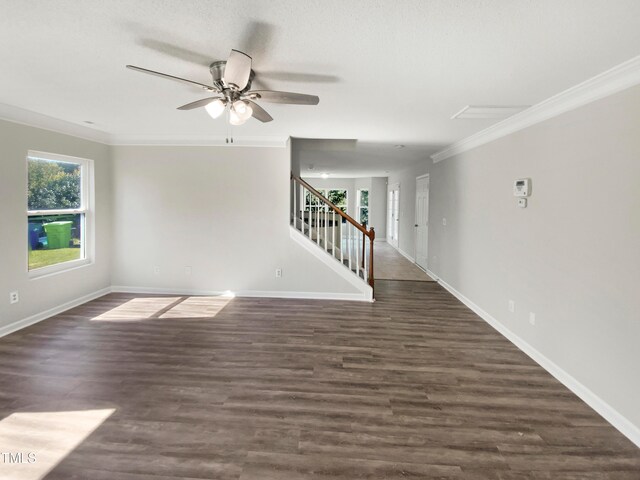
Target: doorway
{"points": [[422, 220], [393, 214]]}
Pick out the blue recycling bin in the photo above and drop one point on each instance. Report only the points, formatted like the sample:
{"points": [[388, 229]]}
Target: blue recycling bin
{"points": [[34, 235]]}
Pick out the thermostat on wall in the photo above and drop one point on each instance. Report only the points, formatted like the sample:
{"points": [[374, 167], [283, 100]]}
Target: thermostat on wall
{"points": [[522, 187]]}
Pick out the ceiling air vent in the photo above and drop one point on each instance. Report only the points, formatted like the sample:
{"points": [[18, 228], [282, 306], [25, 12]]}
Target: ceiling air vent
{"points": [[488, 111]]}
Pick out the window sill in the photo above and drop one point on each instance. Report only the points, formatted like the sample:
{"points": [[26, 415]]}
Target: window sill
{"points": [[59, 268]]}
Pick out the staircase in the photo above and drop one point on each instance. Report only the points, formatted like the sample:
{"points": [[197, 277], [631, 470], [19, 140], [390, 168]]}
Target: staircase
{"points": [[332, 230]]}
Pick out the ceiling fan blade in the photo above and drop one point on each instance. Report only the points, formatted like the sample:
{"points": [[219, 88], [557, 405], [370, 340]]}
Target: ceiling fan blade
{"points": [[284, 97], [298, 77], [237, 70], [260, 113], [198, 103], [171, 77]]}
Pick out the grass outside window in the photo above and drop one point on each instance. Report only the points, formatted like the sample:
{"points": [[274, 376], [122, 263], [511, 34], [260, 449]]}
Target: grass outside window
{"points": [[45, 258]]}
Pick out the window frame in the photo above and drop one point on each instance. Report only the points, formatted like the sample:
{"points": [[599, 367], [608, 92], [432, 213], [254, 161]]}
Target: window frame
{"points": [[87, 237], [325, 193], [359, 205], [311, 207]]}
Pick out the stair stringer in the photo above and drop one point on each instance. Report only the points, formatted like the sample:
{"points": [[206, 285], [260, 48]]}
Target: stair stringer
{"points": [[333, 263]]}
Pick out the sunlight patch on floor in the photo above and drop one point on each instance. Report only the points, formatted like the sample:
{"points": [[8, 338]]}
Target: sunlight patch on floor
{"points": [[198, 307], [140, 308], [33, 443], [144, 308]]}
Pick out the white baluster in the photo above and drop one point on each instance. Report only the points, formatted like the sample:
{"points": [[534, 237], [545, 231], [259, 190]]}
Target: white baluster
{"points": [[357, 247], [295, 212], [349, 243], [317, 220], [304, 209], [365, 260], [341, 243], [325, 214], [310, 215], [333, 234]]}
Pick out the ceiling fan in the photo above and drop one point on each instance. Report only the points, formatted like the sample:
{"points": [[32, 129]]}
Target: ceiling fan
{"points": [[232, 83]]}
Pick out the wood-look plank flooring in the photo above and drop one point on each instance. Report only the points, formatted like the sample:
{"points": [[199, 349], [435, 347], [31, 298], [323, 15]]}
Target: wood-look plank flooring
{"points": [[412, 386], [389, 264]]}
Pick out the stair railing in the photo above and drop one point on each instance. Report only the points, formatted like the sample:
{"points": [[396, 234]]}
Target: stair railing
{"points": [[331, 229]]}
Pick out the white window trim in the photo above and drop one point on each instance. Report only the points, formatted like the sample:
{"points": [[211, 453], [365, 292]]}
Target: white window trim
{"points": [[358, 204], [87, 197]]}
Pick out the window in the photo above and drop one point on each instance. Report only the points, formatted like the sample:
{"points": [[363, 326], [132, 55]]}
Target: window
{"points": [[363, 206], [337, 197], [57, 211]]}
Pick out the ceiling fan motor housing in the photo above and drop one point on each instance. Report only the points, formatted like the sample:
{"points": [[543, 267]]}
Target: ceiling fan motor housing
{"points": [[217, 73]]}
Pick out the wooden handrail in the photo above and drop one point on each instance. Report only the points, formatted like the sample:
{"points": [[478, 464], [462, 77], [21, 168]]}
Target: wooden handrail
{"points": [[369, 233]]}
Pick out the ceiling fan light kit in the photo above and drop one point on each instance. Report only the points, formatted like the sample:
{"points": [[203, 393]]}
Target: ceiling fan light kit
{"points": [[216, 108], [232, 82]]}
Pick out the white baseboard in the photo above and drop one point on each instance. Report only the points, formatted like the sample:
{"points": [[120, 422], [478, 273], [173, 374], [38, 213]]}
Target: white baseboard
{"points": [[611, 415], [403, 253], [432, 275], [241, 293], [38, 317], [357, 297], [406, 255]]}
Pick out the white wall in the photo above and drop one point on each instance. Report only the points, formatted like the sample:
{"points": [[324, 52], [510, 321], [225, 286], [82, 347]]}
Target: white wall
{"points": [[572, 256], [407, 180], [378, 207], [223, 211], [41, 294]]}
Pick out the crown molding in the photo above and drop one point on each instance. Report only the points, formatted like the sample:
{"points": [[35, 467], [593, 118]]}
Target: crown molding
{"points": [[21, 116], [616, 79], [197, 141], [45, 122]]}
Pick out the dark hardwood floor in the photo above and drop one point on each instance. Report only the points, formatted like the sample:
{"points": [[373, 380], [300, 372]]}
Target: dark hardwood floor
{"points": [[412, 386]]}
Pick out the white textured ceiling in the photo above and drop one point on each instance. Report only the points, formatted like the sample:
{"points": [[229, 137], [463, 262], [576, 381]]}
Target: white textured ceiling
{"points": [[386, 71]]}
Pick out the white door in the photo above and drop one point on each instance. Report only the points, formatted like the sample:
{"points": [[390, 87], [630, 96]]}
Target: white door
{"points": [[393, 211], [422, 220]]}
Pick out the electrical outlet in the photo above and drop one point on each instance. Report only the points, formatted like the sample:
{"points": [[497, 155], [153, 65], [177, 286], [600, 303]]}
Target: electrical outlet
{"points": [[188, 270], [278, 272], [444, 221], [512, 306], [14, 297], [156, 270], [532, 318]]}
